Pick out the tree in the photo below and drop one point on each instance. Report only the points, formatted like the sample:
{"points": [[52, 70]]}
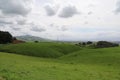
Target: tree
{"points": [[89, 42], [36, 41], [14, 38], [83, 43], [5, 37]]}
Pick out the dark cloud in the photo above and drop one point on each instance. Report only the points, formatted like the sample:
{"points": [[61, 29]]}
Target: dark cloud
{"points": [[68, 11], [15, 7], [117, 11], [50, 10]]}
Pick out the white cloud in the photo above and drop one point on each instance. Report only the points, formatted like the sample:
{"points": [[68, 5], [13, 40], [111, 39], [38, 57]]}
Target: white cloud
{"points": [[16, 7], [16, 28], [90, 12], [68, 11], [5, 22], [37, 28], [16, 16], [64, 28], [61, 28], [50, 10], [21, 22], [61, 10]]}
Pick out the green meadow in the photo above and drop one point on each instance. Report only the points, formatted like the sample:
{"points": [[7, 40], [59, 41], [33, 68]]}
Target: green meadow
{"points": [[58, 61]]}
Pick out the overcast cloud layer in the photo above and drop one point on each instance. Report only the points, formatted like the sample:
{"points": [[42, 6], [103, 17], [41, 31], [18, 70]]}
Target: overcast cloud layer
{"points": [[66, 19]]}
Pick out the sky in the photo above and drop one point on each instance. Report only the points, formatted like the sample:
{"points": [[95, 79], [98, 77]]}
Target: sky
{"points": [[62, 19]]}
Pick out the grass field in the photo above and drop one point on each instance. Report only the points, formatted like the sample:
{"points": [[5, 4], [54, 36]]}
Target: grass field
{"points": [[82, 64]]}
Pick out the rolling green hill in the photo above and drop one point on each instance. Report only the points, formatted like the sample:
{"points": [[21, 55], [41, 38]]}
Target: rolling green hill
{"points": [[50, 49], [77, 66], [74, 63], [103, 56]]}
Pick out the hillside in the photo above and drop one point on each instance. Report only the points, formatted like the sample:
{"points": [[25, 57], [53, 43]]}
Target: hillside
{"points": [[85, 64], [103, 56], [32, 38], [41, 49]]}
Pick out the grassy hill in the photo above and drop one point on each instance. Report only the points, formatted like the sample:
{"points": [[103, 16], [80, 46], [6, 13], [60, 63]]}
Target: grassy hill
{"points": [[51, 50], [74, 64], [96, 66], [103, 56]]}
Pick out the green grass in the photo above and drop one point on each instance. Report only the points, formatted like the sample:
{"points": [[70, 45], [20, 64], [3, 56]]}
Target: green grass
{"points": [[85, 64], [51, 50], [103, 56], [17, 67]]}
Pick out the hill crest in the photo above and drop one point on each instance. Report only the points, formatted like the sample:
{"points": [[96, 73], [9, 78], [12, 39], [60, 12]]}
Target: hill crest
{"points": [[31, 38]]}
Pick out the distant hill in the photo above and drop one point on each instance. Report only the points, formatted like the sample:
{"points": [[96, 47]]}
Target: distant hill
{"points": [[32, 38]]}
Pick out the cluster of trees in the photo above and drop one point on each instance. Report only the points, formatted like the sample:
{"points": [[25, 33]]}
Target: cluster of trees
{"points": [[99, 44], [104, 44], [84, 43], [5, 37]]}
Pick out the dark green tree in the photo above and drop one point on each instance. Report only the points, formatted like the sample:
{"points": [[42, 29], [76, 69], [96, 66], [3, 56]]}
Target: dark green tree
{"points": [[89, 42], [5, 37], [104, 44]]}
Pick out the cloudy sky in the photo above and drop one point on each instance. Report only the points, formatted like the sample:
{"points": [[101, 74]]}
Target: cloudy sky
{"points": [[63, 19]]}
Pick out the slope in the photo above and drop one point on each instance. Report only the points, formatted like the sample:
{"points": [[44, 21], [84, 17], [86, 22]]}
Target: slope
{"points": [[19, 67], [103, 56], [43, 49]]}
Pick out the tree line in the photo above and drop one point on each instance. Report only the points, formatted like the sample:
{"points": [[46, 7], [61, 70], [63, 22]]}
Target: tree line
{"points": [[99, 44]]}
